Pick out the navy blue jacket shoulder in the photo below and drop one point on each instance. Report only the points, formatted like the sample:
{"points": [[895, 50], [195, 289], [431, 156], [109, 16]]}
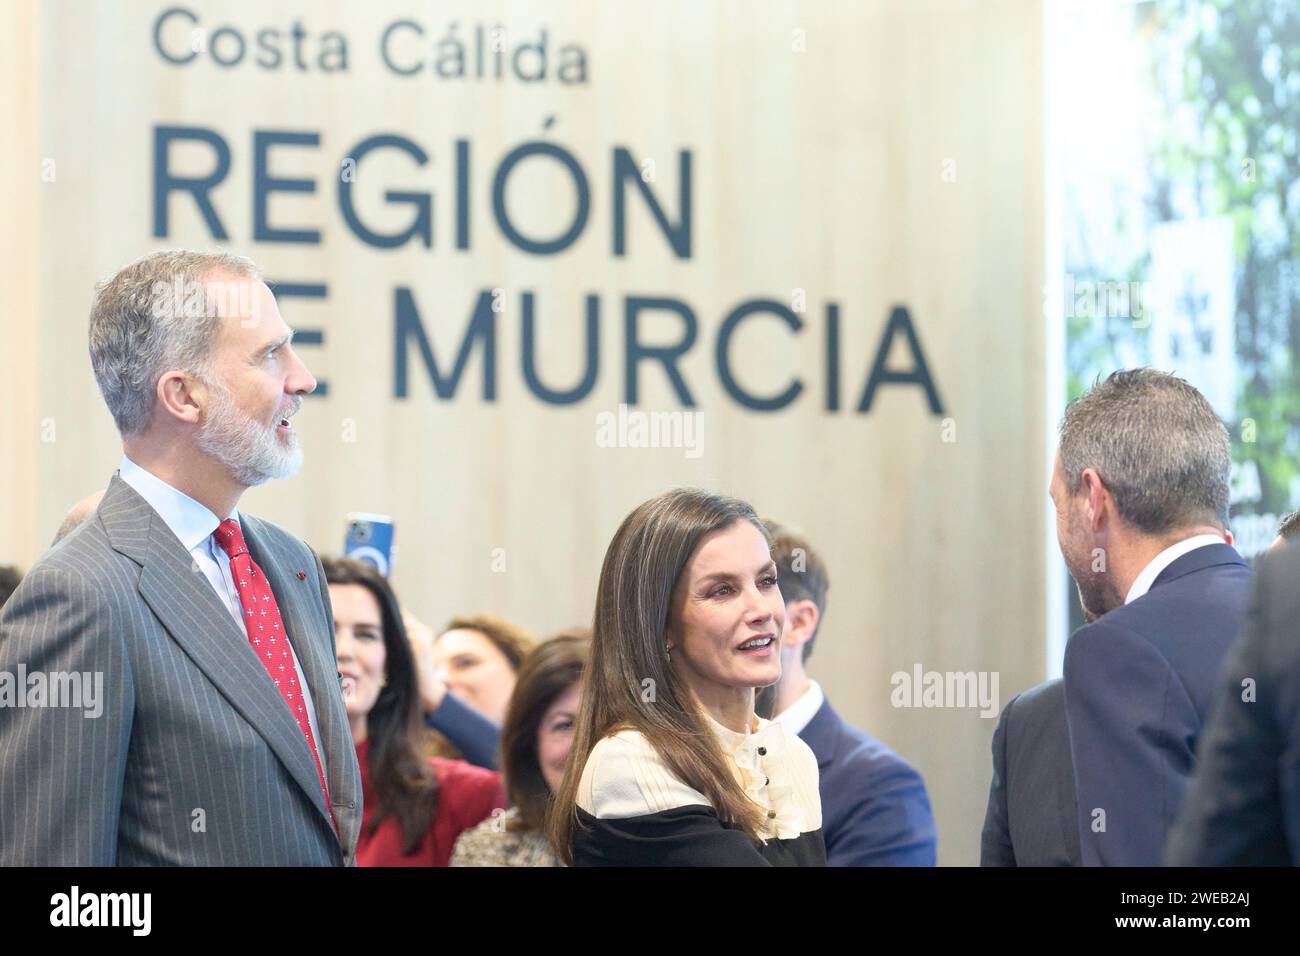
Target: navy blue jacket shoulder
{"points": [[1243, 804], [1138, 686], [875, 810]]}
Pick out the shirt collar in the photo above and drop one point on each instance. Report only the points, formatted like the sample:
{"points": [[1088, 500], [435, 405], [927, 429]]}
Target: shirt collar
{"points": [[730, 739], [745, 750], [798, 715], [191, 522], [1165, 558]]}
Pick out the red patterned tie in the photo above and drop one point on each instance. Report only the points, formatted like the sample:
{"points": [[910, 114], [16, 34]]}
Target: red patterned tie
{"points": [[266, 633]]}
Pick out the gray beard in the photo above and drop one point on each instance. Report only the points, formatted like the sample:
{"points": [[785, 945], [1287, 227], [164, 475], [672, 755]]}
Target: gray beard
{"points": [[250, 451]]}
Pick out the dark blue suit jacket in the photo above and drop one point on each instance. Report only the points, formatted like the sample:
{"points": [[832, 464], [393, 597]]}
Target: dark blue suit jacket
{"points": [[476, 737], [1243, 805], [1138, 687], [875, 811], [1031, 818]]}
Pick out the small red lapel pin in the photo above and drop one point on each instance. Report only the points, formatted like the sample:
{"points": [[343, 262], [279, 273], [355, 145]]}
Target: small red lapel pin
{"points": [[302, 575]]}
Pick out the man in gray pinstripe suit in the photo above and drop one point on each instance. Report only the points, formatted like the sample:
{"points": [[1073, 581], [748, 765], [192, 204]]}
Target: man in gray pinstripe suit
{"points": [[191, 757]]}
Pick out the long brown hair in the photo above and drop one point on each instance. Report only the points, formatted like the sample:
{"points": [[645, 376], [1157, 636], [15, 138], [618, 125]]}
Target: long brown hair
{"points": [[546, 674], [404, 783], [629, 682]]}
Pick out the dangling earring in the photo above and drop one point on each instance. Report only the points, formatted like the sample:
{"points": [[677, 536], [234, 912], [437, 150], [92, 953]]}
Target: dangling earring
{"points": [[668, 653]]}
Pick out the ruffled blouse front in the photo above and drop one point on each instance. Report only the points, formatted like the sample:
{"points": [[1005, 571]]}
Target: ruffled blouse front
{"points": [[634, 811], [769, 776]]}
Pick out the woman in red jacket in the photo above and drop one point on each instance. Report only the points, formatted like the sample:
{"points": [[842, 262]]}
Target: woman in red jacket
{"points": [[415, 806]]}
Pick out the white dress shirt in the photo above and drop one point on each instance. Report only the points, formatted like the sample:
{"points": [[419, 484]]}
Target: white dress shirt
{"points": [[1168, 556], [194, 526], [798, 715]]}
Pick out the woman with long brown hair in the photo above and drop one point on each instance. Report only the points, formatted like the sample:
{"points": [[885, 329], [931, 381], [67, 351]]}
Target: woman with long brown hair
{"points": [[670, 766], [415, 807], [535, 742]]}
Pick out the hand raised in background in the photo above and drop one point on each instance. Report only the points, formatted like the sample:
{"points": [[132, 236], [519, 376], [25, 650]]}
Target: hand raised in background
{"points": [[421, 636]]}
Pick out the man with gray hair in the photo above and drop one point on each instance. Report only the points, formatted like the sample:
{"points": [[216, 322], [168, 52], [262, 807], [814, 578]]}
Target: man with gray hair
{"points": [[221, 736], [1140, 487]]}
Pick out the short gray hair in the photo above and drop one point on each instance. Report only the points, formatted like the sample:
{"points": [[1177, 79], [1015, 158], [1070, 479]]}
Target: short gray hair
{"points": [[1158, 446], [143, 323]]}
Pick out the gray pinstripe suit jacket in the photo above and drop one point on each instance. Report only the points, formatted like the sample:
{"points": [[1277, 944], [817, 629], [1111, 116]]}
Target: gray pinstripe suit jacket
{"points": [[190, 720]]}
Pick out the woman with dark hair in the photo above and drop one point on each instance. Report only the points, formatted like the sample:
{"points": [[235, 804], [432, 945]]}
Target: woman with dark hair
{"points": [[535, 742], [414, 807], [670, 766]]}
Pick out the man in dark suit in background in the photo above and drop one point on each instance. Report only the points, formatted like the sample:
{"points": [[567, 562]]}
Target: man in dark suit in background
{"points": [[1243, 804], [875, 811], [1140, 487], [1031, 818]]}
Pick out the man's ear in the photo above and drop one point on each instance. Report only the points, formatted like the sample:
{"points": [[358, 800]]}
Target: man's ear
{"points": [[801, 618], [1097, 500], [180, 396]]}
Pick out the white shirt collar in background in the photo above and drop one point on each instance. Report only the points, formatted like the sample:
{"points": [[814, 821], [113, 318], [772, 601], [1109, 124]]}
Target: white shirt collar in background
{"points": [[798, 715], [1165, 558]]}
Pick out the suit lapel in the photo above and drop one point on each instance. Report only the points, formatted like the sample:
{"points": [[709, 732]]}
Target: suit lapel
{"points": [[820, 734], [183, 600], [297, 598]]}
